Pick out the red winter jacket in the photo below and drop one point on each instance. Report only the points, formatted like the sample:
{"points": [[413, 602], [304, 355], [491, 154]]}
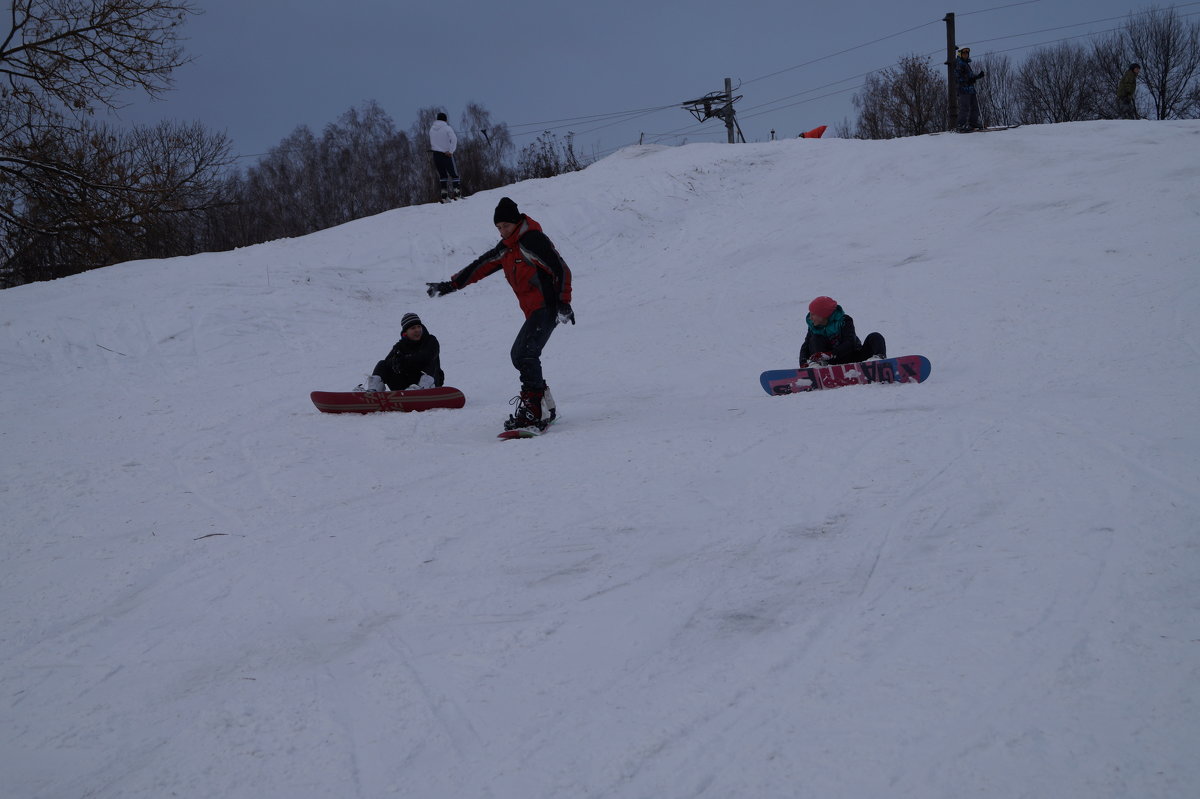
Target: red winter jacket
{"points": [[537, 273]]}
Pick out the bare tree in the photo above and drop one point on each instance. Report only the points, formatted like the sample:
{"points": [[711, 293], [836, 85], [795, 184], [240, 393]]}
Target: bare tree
{"points": [[283, 190], [64, 176], [140, 197], [1053, 83], [1108, 60], [906, 100], [362, 157], [1169, 52], [79, 54], [484, 149], [999, 102]]}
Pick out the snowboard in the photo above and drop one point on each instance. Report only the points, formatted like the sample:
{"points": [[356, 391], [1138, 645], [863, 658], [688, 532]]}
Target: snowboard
{"points": [[905, 369], [994, 127], [417, 399], [525, 432], [977, 130]]}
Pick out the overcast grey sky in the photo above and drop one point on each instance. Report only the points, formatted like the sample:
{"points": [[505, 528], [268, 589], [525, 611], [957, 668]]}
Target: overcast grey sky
{"points": [[263, 67]]}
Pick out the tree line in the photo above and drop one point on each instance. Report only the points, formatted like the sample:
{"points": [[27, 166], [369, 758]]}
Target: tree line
{"points": [[1065, 82], [77, 194]]}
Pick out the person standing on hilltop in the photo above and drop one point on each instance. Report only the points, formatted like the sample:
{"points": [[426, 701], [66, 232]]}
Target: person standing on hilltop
{"points": [[968, 100], [442, 143], [1126, 90]]}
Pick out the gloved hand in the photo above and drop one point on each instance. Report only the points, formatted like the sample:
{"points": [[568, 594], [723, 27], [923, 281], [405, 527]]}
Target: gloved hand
{"points": [[819, 358], [565, 314], [981, 74], [440, 289], [426, 381]]}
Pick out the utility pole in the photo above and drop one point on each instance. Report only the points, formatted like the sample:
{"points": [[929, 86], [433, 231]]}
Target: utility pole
{"points": [[951, 81], [729, 106], [706, 107]]}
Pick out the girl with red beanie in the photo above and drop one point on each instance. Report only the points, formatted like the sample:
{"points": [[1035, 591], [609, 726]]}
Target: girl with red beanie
{"points": [[831, 337]]}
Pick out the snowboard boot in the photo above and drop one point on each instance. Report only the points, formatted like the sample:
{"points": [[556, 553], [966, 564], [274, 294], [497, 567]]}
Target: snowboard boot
{"points": [[372, 383], [532, 410]]}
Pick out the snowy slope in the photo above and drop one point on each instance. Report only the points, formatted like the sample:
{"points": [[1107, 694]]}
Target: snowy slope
{"points": [[984, 585]]}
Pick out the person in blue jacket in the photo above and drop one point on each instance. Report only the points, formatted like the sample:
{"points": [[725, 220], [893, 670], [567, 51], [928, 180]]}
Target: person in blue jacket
{"points": [[968, 100]]}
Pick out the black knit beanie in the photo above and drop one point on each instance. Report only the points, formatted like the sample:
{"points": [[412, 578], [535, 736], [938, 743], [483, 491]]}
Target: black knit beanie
{"points": [[506, 211], [408, 321]]}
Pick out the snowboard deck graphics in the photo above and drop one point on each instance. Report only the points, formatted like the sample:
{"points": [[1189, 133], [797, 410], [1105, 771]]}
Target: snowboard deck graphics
{"points": [[905, 369], [418, 399]]}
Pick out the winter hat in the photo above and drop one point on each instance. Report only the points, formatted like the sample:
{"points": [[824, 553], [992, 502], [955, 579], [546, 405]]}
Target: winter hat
{"points": [[506, 211], [823, 307], [1135, 66], [409, 320], [441, 116]]}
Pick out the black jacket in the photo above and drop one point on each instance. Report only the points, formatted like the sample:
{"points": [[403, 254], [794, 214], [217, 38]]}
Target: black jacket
{"points": [[845, 346], [410, 359]]}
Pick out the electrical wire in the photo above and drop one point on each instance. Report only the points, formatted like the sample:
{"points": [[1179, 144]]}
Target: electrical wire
{"points": [[606, 120]]}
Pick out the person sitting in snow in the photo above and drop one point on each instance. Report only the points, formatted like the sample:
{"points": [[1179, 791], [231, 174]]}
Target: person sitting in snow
{"points": [[541, 280], [414, 362], [831, 337]]}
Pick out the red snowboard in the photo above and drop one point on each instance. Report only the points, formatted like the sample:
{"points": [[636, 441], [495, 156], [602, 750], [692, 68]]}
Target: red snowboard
{"points": [[418, 399]]}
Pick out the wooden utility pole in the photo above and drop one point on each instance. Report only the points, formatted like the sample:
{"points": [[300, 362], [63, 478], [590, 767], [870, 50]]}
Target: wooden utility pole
{"points": [[729, 105], [951, 81]]}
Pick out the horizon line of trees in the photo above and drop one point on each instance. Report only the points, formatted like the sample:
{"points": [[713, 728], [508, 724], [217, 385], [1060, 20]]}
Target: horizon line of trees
{"points": [[76, 194], [1064, 82]]}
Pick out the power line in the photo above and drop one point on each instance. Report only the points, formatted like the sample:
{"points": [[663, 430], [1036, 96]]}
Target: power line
{"points": [[593, 116], [610, 119], [843, 52], [997, 8]]}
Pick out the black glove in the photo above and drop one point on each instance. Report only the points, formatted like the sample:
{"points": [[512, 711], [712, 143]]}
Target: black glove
{"points": [[440, 289], [565, 314], [980, 75]]}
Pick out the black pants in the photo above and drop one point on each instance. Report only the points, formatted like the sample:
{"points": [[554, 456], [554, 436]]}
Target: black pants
{"points": [[398, 381], [447, 172], [527, 349], [872, 345], [968, 111]]}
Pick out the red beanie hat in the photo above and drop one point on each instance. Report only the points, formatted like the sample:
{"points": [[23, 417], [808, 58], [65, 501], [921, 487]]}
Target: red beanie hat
{"points": [[823, 307]]}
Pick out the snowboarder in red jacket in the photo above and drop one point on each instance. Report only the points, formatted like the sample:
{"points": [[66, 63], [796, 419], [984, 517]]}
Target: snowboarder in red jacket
{"points": [[541, 280]]}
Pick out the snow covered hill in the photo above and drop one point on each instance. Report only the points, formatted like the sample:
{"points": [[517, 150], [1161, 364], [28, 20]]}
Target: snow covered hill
{"points": [[985, 584]]}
